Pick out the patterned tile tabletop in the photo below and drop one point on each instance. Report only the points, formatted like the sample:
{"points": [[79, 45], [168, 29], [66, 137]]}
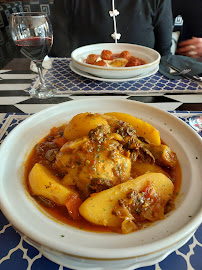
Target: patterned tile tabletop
{"points": [[61, 76]]}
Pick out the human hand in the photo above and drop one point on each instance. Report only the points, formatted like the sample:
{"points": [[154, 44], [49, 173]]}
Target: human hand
{"points": [[191, 47]]}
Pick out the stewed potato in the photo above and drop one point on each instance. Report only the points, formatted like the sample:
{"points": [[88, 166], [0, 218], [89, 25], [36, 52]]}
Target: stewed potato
{"points": [[44, 183], [82, 123], [100, 209]]}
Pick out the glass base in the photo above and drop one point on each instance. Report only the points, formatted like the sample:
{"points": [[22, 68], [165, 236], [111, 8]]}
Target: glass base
{"points": [[196, 122], [42, 92]]}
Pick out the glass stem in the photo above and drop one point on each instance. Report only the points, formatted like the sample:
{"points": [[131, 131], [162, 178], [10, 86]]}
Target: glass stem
{"points": [[41, 77]]}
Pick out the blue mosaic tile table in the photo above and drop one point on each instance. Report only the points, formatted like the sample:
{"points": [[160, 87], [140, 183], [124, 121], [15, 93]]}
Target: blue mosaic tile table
{"points": [[16, 254], [66, 81]]}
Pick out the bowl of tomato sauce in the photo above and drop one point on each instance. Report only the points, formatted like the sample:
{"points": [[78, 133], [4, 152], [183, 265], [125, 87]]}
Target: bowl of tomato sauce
{"points": [[116, 61]]}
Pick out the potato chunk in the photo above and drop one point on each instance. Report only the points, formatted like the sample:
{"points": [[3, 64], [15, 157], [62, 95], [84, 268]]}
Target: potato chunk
{"points": [[82, 123], [143, 129], [44, 183], [99, 208], [141, 168]]}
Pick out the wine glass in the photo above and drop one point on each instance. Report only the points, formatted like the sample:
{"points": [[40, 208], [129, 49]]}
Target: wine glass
{"points": [[32, 32], [196, 122]]}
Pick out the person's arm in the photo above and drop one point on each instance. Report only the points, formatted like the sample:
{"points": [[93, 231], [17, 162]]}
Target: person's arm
{"points": [[191, 47], [163, 25], [61, 22]]}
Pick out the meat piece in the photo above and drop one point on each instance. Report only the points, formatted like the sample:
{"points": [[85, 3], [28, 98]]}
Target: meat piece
{"points": [[146, 156], [101, 157], [43, 147], [51, 154], [141, 206], [98, 133], [107, 55], [100, 184], [44, 201], [125, 54], [133, 61], [91, 59], [124, 129], [163, 154], [39, 148]]}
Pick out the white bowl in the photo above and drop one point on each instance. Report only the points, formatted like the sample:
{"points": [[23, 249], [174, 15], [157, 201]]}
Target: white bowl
{"points": [[27, 217], [151, 57], [79, 263]]}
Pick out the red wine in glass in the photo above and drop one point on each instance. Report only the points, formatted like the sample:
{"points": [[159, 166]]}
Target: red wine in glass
{"points": [[35, 47], [32, 32]]}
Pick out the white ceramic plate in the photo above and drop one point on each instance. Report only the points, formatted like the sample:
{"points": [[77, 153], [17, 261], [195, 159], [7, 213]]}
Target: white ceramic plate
{"points": [[90, 76], [149, 55], [124, 264], [23, 212]]}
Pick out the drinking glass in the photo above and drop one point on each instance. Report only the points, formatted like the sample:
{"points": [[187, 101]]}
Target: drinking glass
{"points": [[32, 32], [196, 122]]}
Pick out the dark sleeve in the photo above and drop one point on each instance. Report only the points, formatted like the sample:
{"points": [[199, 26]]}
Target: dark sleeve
{"points": [[163, 25], [61, 22]]}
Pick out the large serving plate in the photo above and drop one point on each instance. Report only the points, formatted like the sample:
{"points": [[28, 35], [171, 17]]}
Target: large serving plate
{"points": [[149, 55], [28, 218]]}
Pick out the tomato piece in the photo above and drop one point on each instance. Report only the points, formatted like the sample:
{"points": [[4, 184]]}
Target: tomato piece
{"points": [[54, 131], [60, 141], [73, 203], [147, 191]]}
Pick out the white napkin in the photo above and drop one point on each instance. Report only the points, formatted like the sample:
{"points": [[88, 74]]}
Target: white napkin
{"points": [[175, 38], [47, 64]]}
